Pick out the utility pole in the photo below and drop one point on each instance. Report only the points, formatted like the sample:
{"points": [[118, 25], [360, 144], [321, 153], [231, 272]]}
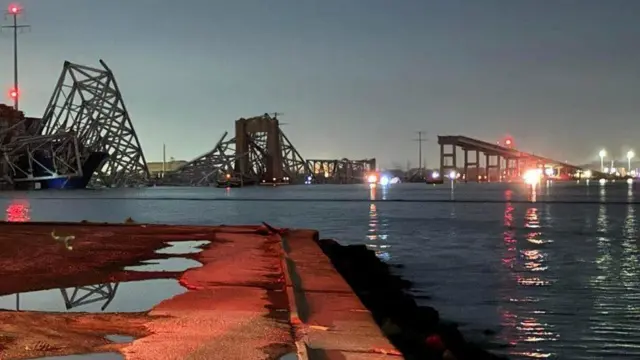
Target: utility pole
{"points": [[420, 140], [13, 11]]}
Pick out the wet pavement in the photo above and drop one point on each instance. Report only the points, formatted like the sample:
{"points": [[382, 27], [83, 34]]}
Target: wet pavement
{"points": [[235, 304]]}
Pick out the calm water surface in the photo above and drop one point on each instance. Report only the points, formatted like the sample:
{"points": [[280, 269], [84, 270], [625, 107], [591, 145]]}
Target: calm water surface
{"points": [[554, 278]]}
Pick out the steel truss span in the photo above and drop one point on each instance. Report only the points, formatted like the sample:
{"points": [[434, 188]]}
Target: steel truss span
{"points": [[88, 103], [260, 152]]}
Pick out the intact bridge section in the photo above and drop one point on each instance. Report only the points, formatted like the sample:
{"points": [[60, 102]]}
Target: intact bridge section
{"points": [[261, 153], [484, 161]]}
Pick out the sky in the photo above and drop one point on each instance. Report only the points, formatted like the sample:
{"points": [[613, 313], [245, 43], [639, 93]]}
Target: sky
{"points": [[354, 78]]}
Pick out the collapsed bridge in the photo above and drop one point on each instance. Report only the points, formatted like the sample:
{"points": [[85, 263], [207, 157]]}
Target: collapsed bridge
{"points": [[259, 153], [85, 137]]}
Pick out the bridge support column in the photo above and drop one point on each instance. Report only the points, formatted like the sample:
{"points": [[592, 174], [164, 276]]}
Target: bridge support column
{"points": [[474, 163], [447, 159], [496, 174]]}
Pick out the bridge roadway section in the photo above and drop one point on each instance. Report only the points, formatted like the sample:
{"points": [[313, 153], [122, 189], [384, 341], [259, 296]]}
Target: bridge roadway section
{"points": [[499, 161]]}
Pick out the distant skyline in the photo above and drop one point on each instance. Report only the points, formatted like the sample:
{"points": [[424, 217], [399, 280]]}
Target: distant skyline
{"points": [[354, 78]]}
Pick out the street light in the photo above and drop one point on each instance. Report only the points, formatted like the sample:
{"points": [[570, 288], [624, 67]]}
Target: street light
{"points": [[602, 154], [630, 155]]}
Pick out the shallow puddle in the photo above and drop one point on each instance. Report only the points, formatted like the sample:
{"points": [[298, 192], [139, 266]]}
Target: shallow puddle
{"points": [[171, 264], [131, 296], [120, 339], [183, 247], [95, 356]]}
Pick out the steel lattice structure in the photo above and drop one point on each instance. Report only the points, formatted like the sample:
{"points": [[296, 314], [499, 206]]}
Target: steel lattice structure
{"points": [[84, 295], [29, 158], [343, 171], [255, 164], [87, 102]]}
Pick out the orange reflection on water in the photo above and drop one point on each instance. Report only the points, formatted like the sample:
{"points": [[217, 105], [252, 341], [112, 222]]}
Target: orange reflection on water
{"points": [[522, 329], [18, 211]]}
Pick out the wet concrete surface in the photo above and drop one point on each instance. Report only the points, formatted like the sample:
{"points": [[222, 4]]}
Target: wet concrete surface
{"points": [[237, 305], [132, 296]]}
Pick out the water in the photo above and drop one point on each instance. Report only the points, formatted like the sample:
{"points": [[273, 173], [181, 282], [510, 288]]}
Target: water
{"points": [[131, 296], [551, 277], [120, 339], [171, 264], [183, 247]]}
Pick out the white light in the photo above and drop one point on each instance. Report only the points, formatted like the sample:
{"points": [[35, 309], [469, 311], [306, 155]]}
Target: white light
{"points": [[394, 180], [452, 175], [587, 174], [602, 181], [371, 179], [629, 181], [531, 177], [384, 181], [630, 154], [606, 170], [435, 174], [548, 171], [602, 153]]}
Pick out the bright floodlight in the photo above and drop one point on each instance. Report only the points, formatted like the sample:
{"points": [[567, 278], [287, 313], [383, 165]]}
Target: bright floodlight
{"points": [[602, 153], [630, 154], [452, 175], [587, 174], [629, 181], [531, 177]]}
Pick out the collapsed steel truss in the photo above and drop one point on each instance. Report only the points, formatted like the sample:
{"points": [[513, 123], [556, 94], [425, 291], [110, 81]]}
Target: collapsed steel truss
{"points": [[251, 166], [343, 171], [87, 102], [26, 157]]}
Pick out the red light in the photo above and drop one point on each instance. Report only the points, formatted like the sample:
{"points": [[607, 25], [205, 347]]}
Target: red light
{"points": [[508, 142], [13, 94], [14, 9]]}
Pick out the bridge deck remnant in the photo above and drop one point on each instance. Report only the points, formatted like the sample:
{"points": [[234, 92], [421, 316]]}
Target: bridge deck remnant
{"points": [[499, 162]]}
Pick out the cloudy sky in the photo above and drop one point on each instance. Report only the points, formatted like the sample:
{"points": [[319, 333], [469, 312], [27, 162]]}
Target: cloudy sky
{"points": [[354, 78]]}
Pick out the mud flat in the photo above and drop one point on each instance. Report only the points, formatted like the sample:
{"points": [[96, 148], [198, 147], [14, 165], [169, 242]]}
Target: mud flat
{"points": [[177, 292]]}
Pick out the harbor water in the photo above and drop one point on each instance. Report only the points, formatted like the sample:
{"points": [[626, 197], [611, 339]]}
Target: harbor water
{"points": [[552, 272]]}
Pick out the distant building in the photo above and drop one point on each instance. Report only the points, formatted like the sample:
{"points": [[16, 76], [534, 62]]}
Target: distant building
{"points": [[155, 168]]}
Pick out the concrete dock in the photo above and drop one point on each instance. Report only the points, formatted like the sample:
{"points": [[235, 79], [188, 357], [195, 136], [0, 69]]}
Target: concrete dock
{"points": [[259, 294]]}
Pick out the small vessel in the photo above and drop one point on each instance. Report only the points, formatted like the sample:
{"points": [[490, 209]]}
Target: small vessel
{"points": [[229, 182]]}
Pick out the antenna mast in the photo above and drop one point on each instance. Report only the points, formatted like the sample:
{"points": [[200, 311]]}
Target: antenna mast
{"points": [[14, 10], [420, 140]]}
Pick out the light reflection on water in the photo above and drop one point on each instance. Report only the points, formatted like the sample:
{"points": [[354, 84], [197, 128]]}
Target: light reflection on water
{"points": [[554, 280]]}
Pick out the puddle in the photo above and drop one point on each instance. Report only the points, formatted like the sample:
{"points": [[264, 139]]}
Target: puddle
{"points": [[131, 296], [171, 264], [120, 339], [183, 247], [95, 356]]}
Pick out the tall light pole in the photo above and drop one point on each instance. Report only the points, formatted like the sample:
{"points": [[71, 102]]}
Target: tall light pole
{"points": [[630, 155], [420, 140], [14, 10], [602, 154]]}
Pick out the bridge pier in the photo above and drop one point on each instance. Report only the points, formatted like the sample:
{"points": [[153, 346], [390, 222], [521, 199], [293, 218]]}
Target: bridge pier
{"points": [[448, 161], [475, 164]]}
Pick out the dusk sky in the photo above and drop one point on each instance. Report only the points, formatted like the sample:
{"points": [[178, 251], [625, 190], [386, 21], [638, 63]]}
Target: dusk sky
{"points": [[354, 78]]}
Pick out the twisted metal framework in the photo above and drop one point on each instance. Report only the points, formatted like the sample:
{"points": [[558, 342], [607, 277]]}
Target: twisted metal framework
{"points": [[87, 102], [84, 295], [342, 171], [252, 165], [26, 157]]}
